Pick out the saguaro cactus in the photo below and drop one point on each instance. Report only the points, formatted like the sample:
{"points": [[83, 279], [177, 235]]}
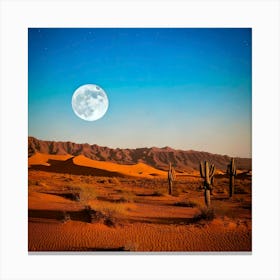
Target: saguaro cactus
{"points": [[231, 171], [171, 178], [207, 173]]}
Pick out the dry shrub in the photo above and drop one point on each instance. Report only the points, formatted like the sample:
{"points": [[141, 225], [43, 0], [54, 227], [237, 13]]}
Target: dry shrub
{"points": [[93, 215], [66, 217], [86, 179], [206, 214], [86, 194], [106, 216], [110, 208], [115, 181]]}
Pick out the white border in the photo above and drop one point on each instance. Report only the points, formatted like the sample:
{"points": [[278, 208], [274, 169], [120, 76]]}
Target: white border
{"points": [[17, 16]]}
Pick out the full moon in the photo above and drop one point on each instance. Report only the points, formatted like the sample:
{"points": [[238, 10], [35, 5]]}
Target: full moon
{"points": [[90, 102]]}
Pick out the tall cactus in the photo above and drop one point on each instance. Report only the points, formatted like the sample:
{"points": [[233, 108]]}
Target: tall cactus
{"points": [[231, 171], [207, 173], [171, 178]]}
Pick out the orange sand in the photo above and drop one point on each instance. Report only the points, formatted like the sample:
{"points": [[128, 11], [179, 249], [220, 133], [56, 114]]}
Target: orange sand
{"points": [[42, 159], [143, 216], [139, 169]]}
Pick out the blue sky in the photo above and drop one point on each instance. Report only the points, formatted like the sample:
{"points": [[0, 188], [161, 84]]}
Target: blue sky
{"points": [[187, 88]]}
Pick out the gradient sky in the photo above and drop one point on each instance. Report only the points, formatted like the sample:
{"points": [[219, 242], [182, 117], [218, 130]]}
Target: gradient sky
{"points": [[186, 88]]}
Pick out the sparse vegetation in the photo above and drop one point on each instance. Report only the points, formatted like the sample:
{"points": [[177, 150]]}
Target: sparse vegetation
{"points": [[206, 213], [66, 217], [115, 181], [87, 193], [132, 214], [110, 208], [102, 181]]}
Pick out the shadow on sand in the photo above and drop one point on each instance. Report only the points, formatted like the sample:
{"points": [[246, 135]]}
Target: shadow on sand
{"points": [[82, 215], [69, 167]]}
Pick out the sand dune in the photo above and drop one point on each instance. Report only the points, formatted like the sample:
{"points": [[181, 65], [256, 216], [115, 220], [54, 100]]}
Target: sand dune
{"points": [[80, 165], [139, 169], [39, 158]]}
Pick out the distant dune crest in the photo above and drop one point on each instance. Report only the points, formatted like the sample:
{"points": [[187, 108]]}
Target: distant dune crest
{"points": [[155, 157]]}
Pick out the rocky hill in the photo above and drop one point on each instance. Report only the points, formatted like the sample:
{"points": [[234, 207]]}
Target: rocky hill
{"points": [[156, 157]]}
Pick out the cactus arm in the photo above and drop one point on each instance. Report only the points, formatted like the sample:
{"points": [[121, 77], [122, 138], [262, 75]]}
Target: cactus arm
{"points": [[232, 165], [173, 174], [207, 179], [170, 172], [206, 169], [202, 173], [212, 170]]}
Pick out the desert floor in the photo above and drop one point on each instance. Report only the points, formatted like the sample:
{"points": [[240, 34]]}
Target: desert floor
{"points": [[82, 205]]}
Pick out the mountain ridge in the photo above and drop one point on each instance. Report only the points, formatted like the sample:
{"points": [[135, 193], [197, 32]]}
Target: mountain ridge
{"points": [[154, 156]]}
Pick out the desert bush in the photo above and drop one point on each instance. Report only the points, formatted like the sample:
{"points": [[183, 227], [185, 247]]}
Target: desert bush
{"points": [[87, 193], [92, 215], [74, 196], [114, 181], [206, 213], [110, 208], [102, 181], [86, 179], [66, 217], [106, 215]]}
